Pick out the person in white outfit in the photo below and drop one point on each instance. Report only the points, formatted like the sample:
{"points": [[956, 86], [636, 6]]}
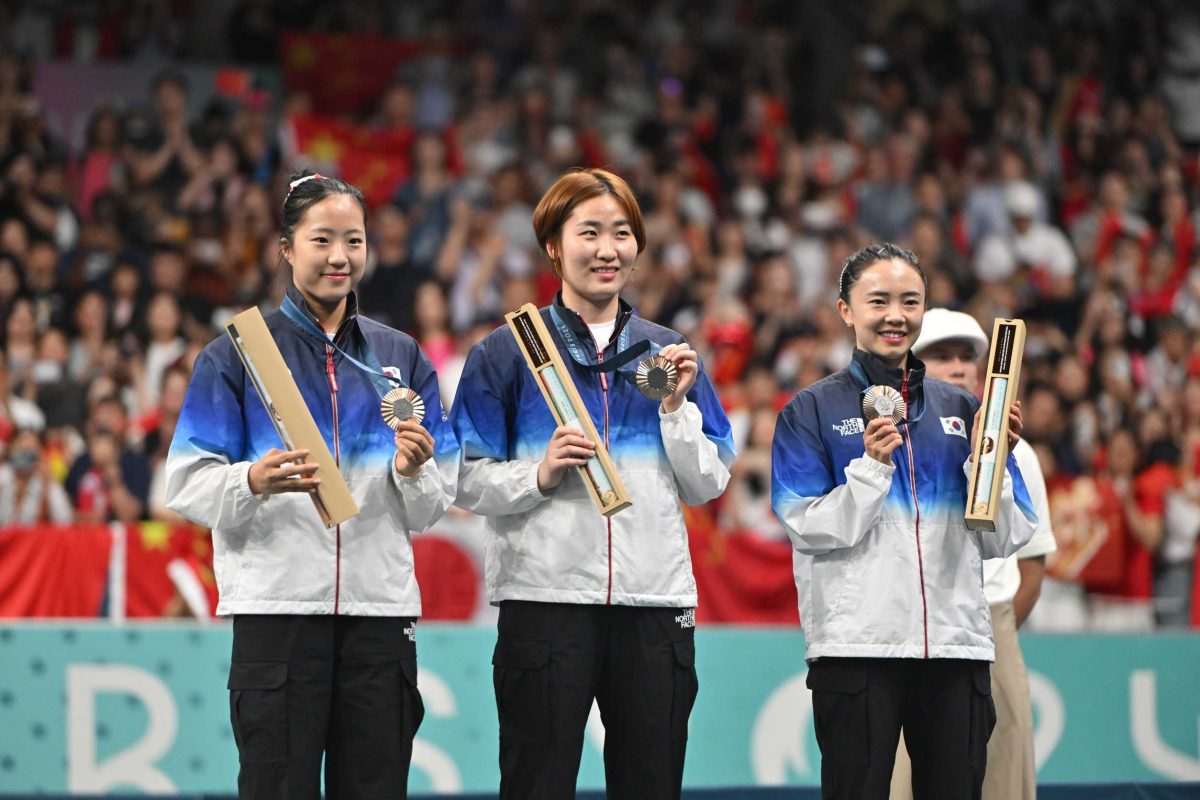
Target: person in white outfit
{"points": [[953, 346]]}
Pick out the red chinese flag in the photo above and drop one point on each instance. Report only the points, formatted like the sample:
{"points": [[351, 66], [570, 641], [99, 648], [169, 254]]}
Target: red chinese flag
{"points": [[53, 571], [375, 161], [377, 174], [151, 549], [324, 139], [740, 577], [341, 73]]}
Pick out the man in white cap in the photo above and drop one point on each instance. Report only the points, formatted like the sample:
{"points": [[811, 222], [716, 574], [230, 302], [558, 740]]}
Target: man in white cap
{"points": [[1037, 246], [953, 346]]}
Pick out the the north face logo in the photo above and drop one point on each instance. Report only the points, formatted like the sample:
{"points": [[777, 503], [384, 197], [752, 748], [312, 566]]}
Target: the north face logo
{"points": [[411, 633], [687, 619], [954, 426], [849, 427]]}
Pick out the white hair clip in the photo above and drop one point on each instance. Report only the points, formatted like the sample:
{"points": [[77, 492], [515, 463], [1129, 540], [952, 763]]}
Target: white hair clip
{"points": [[292, 186]]}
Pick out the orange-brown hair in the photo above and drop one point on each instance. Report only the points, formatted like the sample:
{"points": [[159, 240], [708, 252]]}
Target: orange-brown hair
{"points": [[576, 187]]}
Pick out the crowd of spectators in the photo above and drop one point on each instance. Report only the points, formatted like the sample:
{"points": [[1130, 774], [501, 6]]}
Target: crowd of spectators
{"points": [[1042, 162]]}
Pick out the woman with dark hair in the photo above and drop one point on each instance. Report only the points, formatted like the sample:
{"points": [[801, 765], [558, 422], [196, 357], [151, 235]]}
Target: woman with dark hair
{"points": [[591, 607], [98, 167], [869, 476], [324, 654]]}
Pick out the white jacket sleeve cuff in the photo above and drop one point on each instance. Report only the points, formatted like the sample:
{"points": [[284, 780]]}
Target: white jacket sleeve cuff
{"points": [[699, 472], [676, 415], [404, 480], [530, 484], [241, 484], [870, 468]]}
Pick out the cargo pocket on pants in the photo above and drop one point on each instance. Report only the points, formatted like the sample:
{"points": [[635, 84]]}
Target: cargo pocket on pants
{"points": [[521, 676], [839, 698], [983, 713], [684, 687], [258, 710]]}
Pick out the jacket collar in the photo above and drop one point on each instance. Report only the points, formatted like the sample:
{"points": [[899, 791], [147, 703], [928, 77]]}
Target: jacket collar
{"points": [[347, 320], [576, 323], [875, 371]]}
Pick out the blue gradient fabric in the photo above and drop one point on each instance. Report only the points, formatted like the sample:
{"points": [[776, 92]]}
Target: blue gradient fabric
{"points": [[272, 555], [885, 565], [557, 547]]}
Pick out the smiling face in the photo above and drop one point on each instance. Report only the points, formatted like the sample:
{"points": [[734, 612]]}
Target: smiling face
{"points": [[328, 253], [595, 251], [886, 306]]}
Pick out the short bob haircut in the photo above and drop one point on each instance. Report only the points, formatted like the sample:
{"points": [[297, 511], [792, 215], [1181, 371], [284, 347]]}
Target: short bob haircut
{"points": [[569, 191]]}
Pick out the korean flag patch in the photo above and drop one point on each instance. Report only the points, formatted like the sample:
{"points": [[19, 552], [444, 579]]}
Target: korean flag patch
{"points": [[394, 374], [953, 426]]}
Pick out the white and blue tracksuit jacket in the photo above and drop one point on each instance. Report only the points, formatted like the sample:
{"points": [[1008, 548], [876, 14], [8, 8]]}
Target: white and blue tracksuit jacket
{"points": [[557, 547], [885, 565], [272, 554]]}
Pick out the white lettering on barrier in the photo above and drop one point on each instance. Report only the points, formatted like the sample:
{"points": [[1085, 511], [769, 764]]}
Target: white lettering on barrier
{"points": [[1143, 727], [135, 765], [1049, 718], [435, 762], [779, 738]]}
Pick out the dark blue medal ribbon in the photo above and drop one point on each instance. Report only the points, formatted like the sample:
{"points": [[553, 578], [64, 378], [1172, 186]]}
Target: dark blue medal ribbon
{"points": [[623, 361], [308, 326]]}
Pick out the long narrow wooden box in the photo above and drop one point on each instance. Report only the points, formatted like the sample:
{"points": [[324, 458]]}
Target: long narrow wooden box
{"points": [[285, 406], [553, 378], [991, 449]]}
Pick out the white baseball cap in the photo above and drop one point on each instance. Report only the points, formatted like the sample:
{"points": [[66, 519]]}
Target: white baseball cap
{"points": [[1021, 199], [942, 324]]}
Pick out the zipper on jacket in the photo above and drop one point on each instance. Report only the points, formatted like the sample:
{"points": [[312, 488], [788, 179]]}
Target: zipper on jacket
{"points": [[337, 459], [912, 482], [604, 394]]}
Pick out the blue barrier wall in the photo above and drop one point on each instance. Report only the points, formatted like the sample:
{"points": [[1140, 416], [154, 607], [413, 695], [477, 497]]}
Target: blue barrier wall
{"points": [[93, 708]]}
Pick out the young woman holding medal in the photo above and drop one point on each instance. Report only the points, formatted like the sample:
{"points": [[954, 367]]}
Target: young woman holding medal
{"points": [[888, 575], [591, 607], [324, 653]]}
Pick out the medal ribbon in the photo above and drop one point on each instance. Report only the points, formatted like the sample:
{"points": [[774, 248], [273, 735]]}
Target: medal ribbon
{"points": [[621, 362], [309, 328]]}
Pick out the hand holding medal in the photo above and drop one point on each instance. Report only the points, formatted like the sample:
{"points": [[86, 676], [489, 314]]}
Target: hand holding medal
{"points": [[400, 404], [669, 376], [403, 410], [657, 377], [883, 408]]}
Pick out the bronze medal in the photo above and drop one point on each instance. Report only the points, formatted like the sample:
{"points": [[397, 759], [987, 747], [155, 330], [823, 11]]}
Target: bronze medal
{"points": [[657, 377], [401, 404], [884, 401]]}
